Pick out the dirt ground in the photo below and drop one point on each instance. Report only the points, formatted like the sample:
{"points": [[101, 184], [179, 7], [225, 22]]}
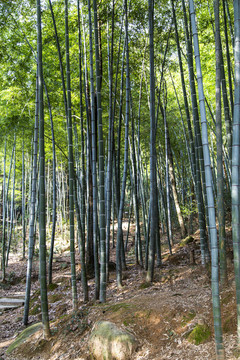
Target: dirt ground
{"points": [[161, 315]]}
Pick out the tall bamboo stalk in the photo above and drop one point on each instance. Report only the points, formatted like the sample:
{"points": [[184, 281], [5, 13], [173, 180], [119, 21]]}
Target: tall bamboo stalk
{"points": [[94, 158], [210, 197], [119, 248], [70, 164], [153, 176], [42, 220], [4, 213], [109, 198], [31, 239], [12, 201], [23, 199], [236, 163], [102, 219], [200, 185], [220, 180]]}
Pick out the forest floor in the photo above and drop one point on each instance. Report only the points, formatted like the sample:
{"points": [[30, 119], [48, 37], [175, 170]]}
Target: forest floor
{"points": [[169, 317]]}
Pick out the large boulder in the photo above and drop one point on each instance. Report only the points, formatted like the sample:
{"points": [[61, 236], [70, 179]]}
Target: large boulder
{"points": [[23, 336], [108, 342]]}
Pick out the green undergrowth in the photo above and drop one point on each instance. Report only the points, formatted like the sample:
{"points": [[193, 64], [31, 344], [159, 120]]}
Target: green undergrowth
{"points": [[200, 334]]}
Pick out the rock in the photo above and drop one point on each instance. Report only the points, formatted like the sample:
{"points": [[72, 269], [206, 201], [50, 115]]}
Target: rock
{"points": [[23, 336], [188, 240], [108, 342]]}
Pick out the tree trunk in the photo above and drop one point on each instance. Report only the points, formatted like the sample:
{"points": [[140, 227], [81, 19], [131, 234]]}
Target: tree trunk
{"points": [[23, 199], [236, 163], [220, 181], [42, 220], [153, 177], [102, 219], [200, 186], [32, 211], [210, 197], [12, 203], [120, 247], [70, 165], [94, 158], [174, 189]]}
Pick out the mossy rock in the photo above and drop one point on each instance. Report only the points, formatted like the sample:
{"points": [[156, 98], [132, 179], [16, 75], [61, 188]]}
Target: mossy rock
{"points": [[200, 334], [108, 342], [186, 241], [24, 335]]}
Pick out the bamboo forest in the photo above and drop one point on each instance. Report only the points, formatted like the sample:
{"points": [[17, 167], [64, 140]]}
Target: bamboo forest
{"points": [[120, 179]]}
